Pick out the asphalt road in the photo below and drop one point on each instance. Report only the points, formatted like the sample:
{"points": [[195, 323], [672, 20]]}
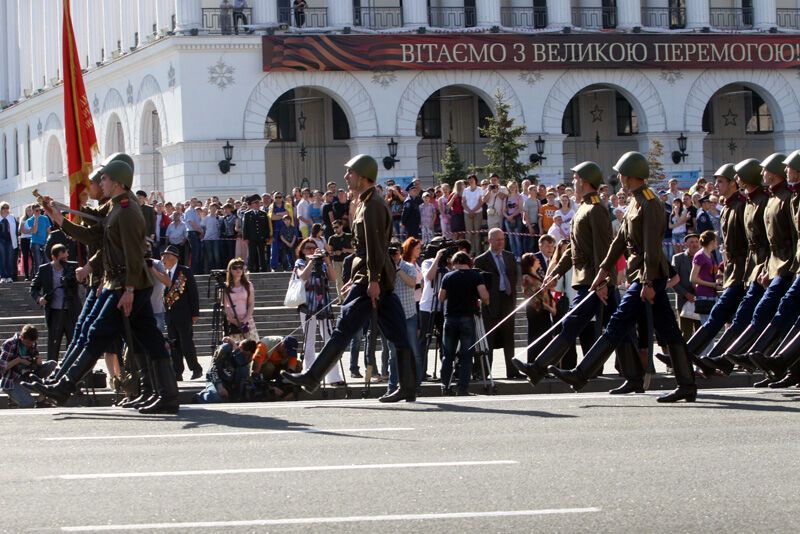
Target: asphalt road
{"points": [[544, 463]]}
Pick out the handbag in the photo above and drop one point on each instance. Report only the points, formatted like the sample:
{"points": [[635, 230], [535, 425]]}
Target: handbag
{"points": [[703, 306], [688, 311], [296, 294]]}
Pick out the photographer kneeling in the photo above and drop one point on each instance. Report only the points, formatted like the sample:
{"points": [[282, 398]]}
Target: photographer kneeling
{"points": [[18, 359], [460, 291], [273, 355], [229, 372]]}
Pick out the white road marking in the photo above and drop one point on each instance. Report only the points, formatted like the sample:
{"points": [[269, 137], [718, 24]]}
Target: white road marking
{"points": [[330, 520], [296, 469], [185, 435]]}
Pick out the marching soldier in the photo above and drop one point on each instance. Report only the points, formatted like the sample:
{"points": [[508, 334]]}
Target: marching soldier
{"points": [[256, 230], [776, 274], [736, 250], [126, 295], [642, 232], [590, 238], [372, 285], [784, 361], [748, 175]]}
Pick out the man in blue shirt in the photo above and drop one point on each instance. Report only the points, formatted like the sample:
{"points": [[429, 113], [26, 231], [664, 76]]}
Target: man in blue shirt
{"points": [[38, 226]]}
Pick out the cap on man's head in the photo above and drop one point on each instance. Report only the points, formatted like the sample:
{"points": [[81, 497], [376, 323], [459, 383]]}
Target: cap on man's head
{"points": [[172, 250], [687, 237], [253, 198], [141, 193], [662, 193], [411, 186], [706, 198]]}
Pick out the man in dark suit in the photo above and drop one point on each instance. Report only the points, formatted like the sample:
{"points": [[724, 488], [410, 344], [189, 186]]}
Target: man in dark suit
{"points": [[182, 305], [256, 230], [547, 247], [682, 262], [502, 296], [56, 289], [149, 214]]}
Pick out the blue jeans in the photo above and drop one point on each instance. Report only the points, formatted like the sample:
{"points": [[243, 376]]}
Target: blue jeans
{"points": [[37, 258], [459, 328], [211, 253], [197, 252], [7, 260], [275, 255], [515, 227]]}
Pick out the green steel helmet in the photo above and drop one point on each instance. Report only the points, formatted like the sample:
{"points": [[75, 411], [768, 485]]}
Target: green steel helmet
{"points": [[120, 172], [364, 165], [727, 171], [793, 160], [590, 172], [749, 171], [633, 164], [119, 156], [774, 164], [96, 174]]}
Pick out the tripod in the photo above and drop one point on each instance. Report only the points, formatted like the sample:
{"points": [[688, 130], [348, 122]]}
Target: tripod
{"points": [[433, 328], [324, 322], [482, 351], [217, 313]]}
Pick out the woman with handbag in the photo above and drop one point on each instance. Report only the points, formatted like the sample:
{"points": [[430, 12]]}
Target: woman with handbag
{"points": [[512, 215], [540, 310], [704, 275], [239, 298], [314, 268]]}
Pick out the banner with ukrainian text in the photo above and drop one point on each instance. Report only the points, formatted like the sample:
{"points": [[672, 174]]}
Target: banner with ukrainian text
{"points": [[78, 124], [520, 51]]}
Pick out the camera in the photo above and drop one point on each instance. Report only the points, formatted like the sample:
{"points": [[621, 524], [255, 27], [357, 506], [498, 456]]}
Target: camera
{"points": [[492, 186], [149, 262], [432, 248], [220, 276]]}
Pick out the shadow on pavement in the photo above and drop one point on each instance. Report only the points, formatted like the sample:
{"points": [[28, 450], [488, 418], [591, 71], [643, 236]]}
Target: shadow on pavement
{"points": [[728, 402], [452, 408]]}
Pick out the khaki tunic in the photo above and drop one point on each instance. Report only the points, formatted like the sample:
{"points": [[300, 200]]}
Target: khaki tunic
{"points": [[757, 245], [90, 233], [795, 203], [124, 245], [735, 240], [372, 230], [641, 233], [781, 232], [589, 237]]}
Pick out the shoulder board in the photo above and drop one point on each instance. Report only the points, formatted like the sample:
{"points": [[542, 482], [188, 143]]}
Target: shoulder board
{"points": [[648, 193], [595, 199]]}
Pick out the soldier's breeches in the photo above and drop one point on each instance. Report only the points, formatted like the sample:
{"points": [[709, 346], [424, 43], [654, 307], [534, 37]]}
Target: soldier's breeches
{"points": [[744, 313], [768, 305], [724, 309], [357, 311], [624, 320], [788, 308]]}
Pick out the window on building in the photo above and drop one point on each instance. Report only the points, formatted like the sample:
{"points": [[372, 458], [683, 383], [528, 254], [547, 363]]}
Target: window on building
{"points": [[571, 121], [16, 153], [280, 125], [341, 128], [758, 117], [28, 150], [484, 114], [708, 117], [429, 120], [5, 158], [284, 11], [627, 122], [747, 12], [677, 14]]}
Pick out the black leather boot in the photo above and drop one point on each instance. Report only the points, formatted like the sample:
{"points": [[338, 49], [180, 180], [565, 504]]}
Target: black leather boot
{"points": [[721, 346], [592, 363], [786, 382], [551, 354], [778, 365], [531, 370], [695, 346], [167, 388], [62, 390], [146, 390], [686, 390], [310, 378], [407, 390], [736, 351], [763, 383], [631, 369]]}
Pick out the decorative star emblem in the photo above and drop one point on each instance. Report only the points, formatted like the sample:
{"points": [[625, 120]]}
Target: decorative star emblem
{"points": [[530, 77], [303, 152], [171, 75], [597, 113], [732, 146], [730, 118], [671, 75], [383, 77], [221, 75]]}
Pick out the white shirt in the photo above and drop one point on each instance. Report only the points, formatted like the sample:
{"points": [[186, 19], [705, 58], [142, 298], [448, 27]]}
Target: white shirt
{"points": [[303, 208], [472, 199], [426, 302], [557, 232], [12, 229], [157, 297]]}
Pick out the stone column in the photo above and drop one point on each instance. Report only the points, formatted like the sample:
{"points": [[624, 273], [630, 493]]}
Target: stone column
{"points": [[23, 45], [487, 12], [78, 16], [4, 56], [188, 15], [629, 14], [559, 13], [415, 13], [110, 28], [164, 12], [37, 45], [12, 50], [265, 13], [340, 14], [94, 33], [697, 14], [129, 24], [765, 15], [51, 31], [145, 17]]}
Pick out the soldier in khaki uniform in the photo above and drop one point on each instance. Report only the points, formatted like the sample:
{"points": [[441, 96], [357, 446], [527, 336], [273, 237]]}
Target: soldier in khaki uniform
{"points": [[784, 361], [126, 290], [642, 232], [736, 250], [748, 176], [776, 274], [590, 237], [373, 274]]}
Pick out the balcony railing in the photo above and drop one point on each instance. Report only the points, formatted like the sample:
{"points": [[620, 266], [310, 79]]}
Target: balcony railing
{"points": [[788, 18], [310, 17], [731, 18], [523, 17], [594, 17], [217, 20], [452, 17], [664, 17], [378, 18]]}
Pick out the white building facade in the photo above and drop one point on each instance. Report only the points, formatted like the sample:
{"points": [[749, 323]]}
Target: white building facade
{"points": [[170, 82]]}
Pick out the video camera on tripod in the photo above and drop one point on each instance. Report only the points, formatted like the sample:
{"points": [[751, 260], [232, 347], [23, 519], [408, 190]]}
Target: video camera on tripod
{"points": [[220, 276], [431, 249]]}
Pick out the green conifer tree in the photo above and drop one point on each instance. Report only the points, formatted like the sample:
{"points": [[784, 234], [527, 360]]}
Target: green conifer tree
{"points": [[504, 146], [452, 166]]}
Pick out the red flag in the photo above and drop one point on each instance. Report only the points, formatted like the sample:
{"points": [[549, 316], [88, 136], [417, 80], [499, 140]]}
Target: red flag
{"points": [[78, 123]]}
